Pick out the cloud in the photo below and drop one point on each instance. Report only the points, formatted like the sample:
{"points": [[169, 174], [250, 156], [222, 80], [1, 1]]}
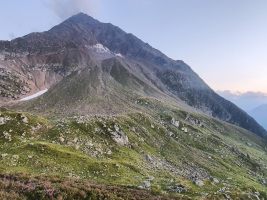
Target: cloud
{"points": [[247, 101], [11, 36], [66, 8]]}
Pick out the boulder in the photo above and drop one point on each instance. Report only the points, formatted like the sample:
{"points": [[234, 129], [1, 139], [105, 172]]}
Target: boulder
{"points": [[4, 155], [2, 120], [170, 134], [149, 158], [120, 138], [109, 152], [175, 123], [75, 140], [199, 182], [15, 157], [263, 181], [215, 180], [177, 188], [184, 129], [61, 139], [145, 185], [24, 119], [7, 136], [116, 127]]}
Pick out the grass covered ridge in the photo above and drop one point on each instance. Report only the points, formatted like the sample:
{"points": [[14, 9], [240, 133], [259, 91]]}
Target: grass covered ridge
{"points": [[165, 152]]}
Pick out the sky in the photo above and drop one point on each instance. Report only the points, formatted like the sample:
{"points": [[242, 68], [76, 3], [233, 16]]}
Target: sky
{"points": [[224, 41]]}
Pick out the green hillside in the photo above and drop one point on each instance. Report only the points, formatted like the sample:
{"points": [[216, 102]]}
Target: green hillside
{"points": [[158, 151]]}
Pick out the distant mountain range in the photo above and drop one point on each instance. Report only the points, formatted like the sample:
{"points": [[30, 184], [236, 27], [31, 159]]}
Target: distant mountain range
{"points": [[260, 114], [253, 103], [247, 100]]}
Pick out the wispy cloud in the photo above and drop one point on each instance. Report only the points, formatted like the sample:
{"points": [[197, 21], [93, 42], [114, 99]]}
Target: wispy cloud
{"points": [[247, 100], [11, 36], [66, 8]]}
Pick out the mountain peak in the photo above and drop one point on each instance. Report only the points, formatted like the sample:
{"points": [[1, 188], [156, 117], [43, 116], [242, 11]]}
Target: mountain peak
{"points": [[82, 18], [74, 44], [81, 14]]}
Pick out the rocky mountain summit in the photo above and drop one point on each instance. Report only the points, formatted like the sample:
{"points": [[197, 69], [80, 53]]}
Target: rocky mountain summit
{"points": [[86, 106]]}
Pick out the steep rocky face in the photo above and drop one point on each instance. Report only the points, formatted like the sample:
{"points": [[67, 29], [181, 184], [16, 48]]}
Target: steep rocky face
{"points": [[196, 94], [54, 59]]}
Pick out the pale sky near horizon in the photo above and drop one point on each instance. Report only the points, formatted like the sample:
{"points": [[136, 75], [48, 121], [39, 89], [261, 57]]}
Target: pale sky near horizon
{"points": [[224, 41]]}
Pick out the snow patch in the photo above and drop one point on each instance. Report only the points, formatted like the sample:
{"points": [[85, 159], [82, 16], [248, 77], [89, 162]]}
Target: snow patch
{"points": [[119, 55], [101, 49], [34, 95]]}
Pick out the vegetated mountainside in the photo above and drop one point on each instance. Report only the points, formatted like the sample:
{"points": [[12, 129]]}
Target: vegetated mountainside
{"points": [[260, 114], [41, 60], [162, 149]]}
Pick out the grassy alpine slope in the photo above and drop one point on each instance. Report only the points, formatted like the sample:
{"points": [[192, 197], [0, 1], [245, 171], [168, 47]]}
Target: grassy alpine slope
{"points": [[158, 151]]}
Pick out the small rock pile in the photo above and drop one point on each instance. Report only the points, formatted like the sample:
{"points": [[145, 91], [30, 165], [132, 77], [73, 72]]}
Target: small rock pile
{"points": [[119, 136]]}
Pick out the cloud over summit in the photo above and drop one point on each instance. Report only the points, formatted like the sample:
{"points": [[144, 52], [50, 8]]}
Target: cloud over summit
{"points": [[66, 8]]}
